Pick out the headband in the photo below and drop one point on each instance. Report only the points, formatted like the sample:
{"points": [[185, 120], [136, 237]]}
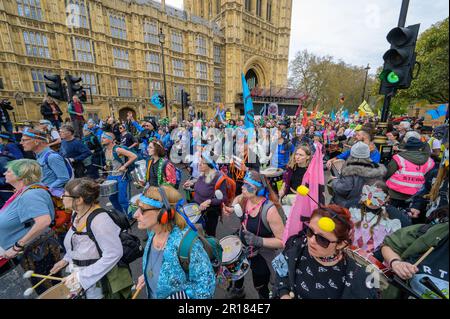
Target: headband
{"points": [[248, 179], [150, 201], [30, 134], [5, 136], [108, 137]]}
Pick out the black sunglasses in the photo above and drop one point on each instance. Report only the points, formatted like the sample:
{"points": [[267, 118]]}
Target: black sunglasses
{"points": [[321, 241]]}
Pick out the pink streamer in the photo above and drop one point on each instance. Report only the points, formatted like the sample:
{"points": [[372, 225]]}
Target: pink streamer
{"points": [[303, 205]]}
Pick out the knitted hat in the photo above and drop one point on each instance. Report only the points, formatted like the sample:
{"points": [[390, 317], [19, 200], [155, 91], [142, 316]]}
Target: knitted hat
{"points": [[360, 150]]}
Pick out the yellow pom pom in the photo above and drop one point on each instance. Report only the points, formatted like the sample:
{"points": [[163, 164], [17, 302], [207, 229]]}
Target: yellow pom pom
{"points": [[326, 224], [368, 202], [303, 190]]}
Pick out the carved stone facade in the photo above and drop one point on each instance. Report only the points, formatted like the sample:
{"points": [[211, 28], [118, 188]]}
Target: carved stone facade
{"points": [[114, 46]]}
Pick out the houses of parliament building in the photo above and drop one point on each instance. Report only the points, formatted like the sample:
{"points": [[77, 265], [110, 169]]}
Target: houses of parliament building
{"points": [[115, 46]]}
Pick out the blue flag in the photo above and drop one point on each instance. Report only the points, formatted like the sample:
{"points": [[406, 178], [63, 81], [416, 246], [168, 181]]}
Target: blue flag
{"points": [[249, 119], [440, 111], [155, 101], [345, 115], [333, 116]]}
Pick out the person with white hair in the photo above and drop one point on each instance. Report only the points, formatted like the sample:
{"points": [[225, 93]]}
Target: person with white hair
{"points": [[55, 138], [403, 128]]}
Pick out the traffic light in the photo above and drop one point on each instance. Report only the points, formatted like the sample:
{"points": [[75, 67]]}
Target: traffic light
{"points": [[185, 99], [83, 96], [400, 59], [55, 88], [72, 86], [161, 99]]}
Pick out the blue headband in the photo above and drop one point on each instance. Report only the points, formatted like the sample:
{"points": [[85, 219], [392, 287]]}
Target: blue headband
{"points": [[150, 201], [108, 137], [5, 136], [252, 181], [27, 133]]}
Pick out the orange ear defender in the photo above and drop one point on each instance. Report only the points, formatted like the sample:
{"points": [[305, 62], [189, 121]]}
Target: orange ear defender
{"points": [[166, 213]]}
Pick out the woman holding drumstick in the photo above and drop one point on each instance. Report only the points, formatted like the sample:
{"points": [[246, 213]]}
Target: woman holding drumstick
{"points": [[93, 246], [262, 230]]}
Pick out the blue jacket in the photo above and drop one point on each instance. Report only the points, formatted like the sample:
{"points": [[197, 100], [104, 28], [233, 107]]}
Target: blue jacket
{"points": [[74, 149], [172, 278], [374, 156]]}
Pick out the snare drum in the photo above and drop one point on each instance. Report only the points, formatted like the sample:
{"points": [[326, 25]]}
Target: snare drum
{"points": [[275, 176], [371, 265], [192, 211], [139, 173], [108, 188], [235, 264], [59, 291]]}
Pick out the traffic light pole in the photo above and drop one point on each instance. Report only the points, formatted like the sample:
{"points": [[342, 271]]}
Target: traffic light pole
{"points": [[388, 97], [403, 13]]}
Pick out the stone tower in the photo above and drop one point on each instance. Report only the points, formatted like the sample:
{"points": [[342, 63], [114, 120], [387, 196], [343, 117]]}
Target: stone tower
{"points": [[256, 41]]}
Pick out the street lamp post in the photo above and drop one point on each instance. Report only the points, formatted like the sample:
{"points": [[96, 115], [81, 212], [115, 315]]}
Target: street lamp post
{"points": [[367, 68], [161, 41]]}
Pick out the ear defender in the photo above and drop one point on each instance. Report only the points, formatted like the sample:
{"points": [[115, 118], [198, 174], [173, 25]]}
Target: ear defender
{"points": [[167, 213]]}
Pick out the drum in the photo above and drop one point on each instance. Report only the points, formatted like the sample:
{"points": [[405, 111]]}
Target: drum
{"points": [[235, 264], [12, 283], [138, 174], [372, 265], [193, 212], [59, 291], [108, 188], [275, 176]]}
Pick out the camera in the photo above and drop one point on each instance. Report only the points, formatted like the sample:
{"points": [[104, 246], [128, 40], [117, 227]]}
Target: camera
{"points": [[5, 103]]}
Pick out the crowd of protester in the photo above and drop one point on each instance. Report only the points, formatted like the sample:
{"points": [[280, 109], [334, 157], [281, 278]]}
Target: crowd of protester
{"points": [[317, 201]]}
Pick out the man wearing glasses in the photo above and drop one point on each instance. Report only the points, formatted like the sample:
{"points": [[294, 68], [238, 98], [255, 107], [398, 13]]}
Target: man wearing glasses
{"points": [[54, 171]]}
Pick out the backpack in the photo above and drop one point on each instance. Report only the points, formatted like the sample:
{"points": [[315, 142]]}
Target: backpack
{"points": [[210, 244], [231, 187], [62, 220], [69, 167], [131, 244], [177, 173], [162, 171], [264, 210], [120, 158]]}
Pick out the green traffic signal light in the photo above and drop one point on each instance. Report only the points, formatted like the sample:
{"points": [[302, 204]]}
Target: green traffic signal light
{"points": [[393, 77]]}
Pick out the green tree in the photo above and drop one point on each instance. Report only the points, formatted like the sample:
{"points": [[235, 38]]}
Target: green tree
{"points": [[324, 80]]}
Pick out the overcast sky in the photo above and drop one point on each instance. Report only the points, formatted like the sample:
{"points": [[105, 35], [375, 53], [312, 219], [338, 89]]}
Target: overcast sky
{"points": [[353, 30]]}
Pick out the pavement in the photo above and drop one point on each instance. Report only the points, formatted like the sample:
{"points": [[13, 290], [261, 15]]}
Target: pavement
{"points": [[226, 227]]}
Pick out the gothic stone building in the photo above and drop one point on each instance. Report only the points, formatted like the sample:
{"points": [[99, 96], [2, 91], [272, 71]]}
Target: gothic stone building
{"points": [[115, 47]]}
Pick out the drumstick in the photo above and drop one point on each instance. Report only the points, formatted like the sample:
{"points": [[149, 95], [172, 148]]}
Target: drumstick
{"points": [[424, 256], [30, 273], [136, 293]]}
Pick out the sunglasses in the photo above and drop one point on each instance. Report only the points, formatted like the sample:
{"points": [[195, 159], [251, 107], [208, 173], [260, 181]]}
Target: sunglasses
{"points": [[249, 188], [143, 211], [321, 241]]}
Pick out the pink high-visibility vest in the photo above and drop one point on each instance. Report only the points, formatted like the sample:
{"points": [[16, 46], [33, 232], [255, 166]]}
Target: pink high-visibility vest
{"points": [[410, 177]]}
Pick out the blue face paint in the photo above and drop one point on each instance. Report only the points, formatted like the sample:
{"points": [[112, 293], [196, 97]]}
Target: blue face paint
{"points": [[150, 202]]}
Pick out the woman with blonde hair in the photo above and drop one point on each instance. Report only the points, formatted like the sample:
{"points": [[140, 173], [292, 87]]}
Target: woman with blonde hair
{"points": [[296, 169], [163, 275], [25, 219]]}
